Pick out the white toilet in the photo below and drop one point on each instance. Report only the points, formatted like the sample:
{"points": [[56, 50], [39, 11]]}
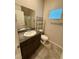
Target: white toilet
{"points": [[45, 42], [44, 38]]}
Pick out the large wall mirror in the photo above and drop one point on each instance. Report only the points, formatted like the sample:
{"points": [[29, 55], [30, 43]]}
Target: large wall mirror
{"points": [[25, 17], [29, 17]]}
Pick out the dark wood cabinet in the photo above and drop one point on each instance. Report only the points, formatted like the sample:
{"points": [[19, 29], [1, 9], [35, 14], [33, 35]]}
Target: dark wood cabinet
{"points": [[29, 46]]}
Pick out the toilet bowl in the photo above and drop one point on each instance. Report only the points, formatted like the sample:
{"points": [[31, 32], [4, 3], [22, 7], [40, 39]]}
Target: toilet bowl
{"points": [[44, 38]]}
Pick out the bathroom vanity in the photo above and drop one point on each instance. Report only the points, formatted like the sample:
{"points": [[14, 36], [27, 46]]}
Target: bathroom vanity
{"points": [[29, 45]]}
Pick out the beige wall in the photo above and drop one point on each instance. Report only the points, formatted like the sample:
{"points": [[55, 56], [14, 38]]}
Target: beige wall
{"points": [[17, 7], [54, 32], [17, 43]]}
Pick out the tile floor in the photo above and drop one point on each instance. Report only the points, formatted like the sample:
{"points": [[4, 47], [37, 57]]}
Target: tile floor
{"points": [[45, 53]]}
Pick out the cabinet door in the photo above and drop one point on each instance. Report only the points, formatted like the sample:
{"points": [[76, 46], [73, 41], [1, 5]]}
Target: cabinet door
{"points": [[29, 47]]}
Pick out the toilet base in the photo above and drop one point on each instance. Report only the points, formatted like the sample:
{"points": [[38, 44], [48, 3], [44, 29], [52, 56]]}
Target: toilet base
{"points": [[46, 44]]}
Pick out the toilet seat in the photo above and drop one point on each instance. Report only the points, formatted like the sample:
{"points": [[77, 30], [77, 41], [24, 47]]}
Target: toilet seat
{"points": [[44, 37]]}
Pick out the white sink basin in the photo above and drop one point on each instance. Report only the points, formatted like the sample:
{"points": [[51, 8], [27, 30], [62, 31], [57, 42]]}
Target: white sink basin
{"points": [[30, 33]]}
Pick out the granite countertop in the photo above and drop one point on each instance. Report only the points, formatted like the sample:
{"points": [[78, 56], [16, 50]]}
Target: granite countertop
{"points": [[23, 38]]}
